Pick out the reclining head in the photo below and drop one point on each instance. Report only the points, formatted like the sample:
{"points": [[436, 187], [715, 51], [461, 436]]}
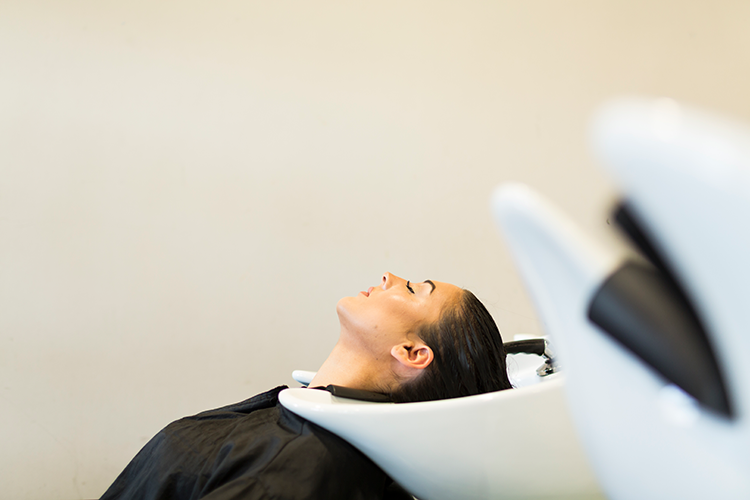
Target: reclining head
{"points": [[416, 342], [468, 355]]}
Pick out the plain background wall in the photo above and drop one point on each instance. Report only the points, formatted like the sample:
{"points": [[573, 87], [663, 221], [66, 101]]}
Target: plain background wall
{"points": [[187, 188]]}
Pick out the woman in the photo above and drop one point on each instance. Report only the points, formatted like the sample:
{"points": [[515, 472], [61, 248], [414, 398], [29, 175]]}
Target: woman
{"points": [[411, 341]]}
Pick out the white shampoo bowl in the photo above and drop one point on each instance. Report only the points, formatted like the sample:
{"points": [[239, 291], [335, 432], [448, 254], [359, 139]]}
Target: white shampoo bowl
{"points": [[513, 444]]}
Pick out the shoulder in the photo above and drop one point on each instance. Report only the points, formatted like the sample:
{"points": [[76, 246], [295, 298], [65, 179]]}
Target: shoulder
{"points": [[264, 400]]}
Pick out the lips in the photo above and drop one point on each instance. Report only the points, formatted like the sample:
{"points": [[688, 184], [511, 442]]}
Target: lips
{"points": [[368, 292]]}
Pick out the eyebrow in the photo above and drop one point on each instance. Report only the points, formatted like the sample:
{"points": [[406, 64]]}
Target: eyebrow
{"points": [[431, 284]]}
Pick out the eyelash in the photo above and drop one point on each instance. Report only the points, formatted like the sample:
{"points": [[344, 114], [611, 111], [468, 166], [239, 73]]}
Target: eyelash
{"points": [[409, 287]]}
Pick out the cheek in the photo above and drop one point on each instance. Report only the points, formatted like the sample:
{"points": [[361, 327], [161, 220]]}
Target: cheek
{"points": [[411, 315]]}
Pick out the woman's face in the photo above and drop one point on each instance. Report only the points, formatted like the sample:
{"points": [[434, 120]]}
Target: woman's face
{"points": [[386, 314]]}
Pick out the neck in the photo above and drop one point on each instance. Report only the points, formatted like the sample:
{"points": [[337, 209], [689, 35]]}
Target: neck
{"points": [[346, 367]]}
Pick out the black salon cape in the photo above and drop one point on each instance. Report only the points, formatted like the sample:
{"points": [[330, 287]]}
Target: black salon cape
{"points": [[250, 450]]}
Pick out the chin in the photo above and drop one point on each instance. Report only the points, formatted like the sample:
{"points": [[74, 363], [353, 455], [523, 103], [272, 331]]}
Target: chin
{"points": [[346, 309], [342, 306]]}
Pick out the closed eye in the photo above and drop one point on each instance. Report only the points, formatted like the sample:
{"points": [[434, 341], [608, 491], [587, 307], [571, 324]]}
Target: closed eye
{"points": [[408, 287]]}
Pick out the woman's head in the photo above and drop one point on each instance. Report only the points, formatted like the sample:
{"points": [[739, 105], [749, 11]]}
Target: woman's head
{"points": [[423, 341], [469, 357]]}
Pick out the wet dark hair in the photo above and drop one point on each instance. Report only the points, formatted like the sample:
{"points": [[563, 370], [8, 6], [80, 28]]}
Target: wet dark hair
{"points": [[469, 357]]}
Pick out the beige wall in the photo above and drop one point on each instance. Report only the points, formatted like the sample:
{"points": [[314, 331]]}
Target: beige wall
{"points": [[187, 188]]}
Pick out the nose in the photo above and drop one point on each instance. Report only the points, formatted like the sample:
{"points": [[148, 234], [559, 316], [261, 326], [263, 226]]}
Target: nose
{"points": [[389, 280]]}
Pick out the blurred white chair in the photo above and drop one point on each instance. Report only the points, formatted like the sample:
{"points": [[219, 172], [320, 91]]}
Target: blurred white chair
{"points": [[654, 353]]}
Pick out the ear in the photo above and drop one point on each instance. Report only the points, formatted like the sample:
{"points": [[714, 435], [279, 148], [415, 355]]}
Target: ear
{"points": [[412, 357]]}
